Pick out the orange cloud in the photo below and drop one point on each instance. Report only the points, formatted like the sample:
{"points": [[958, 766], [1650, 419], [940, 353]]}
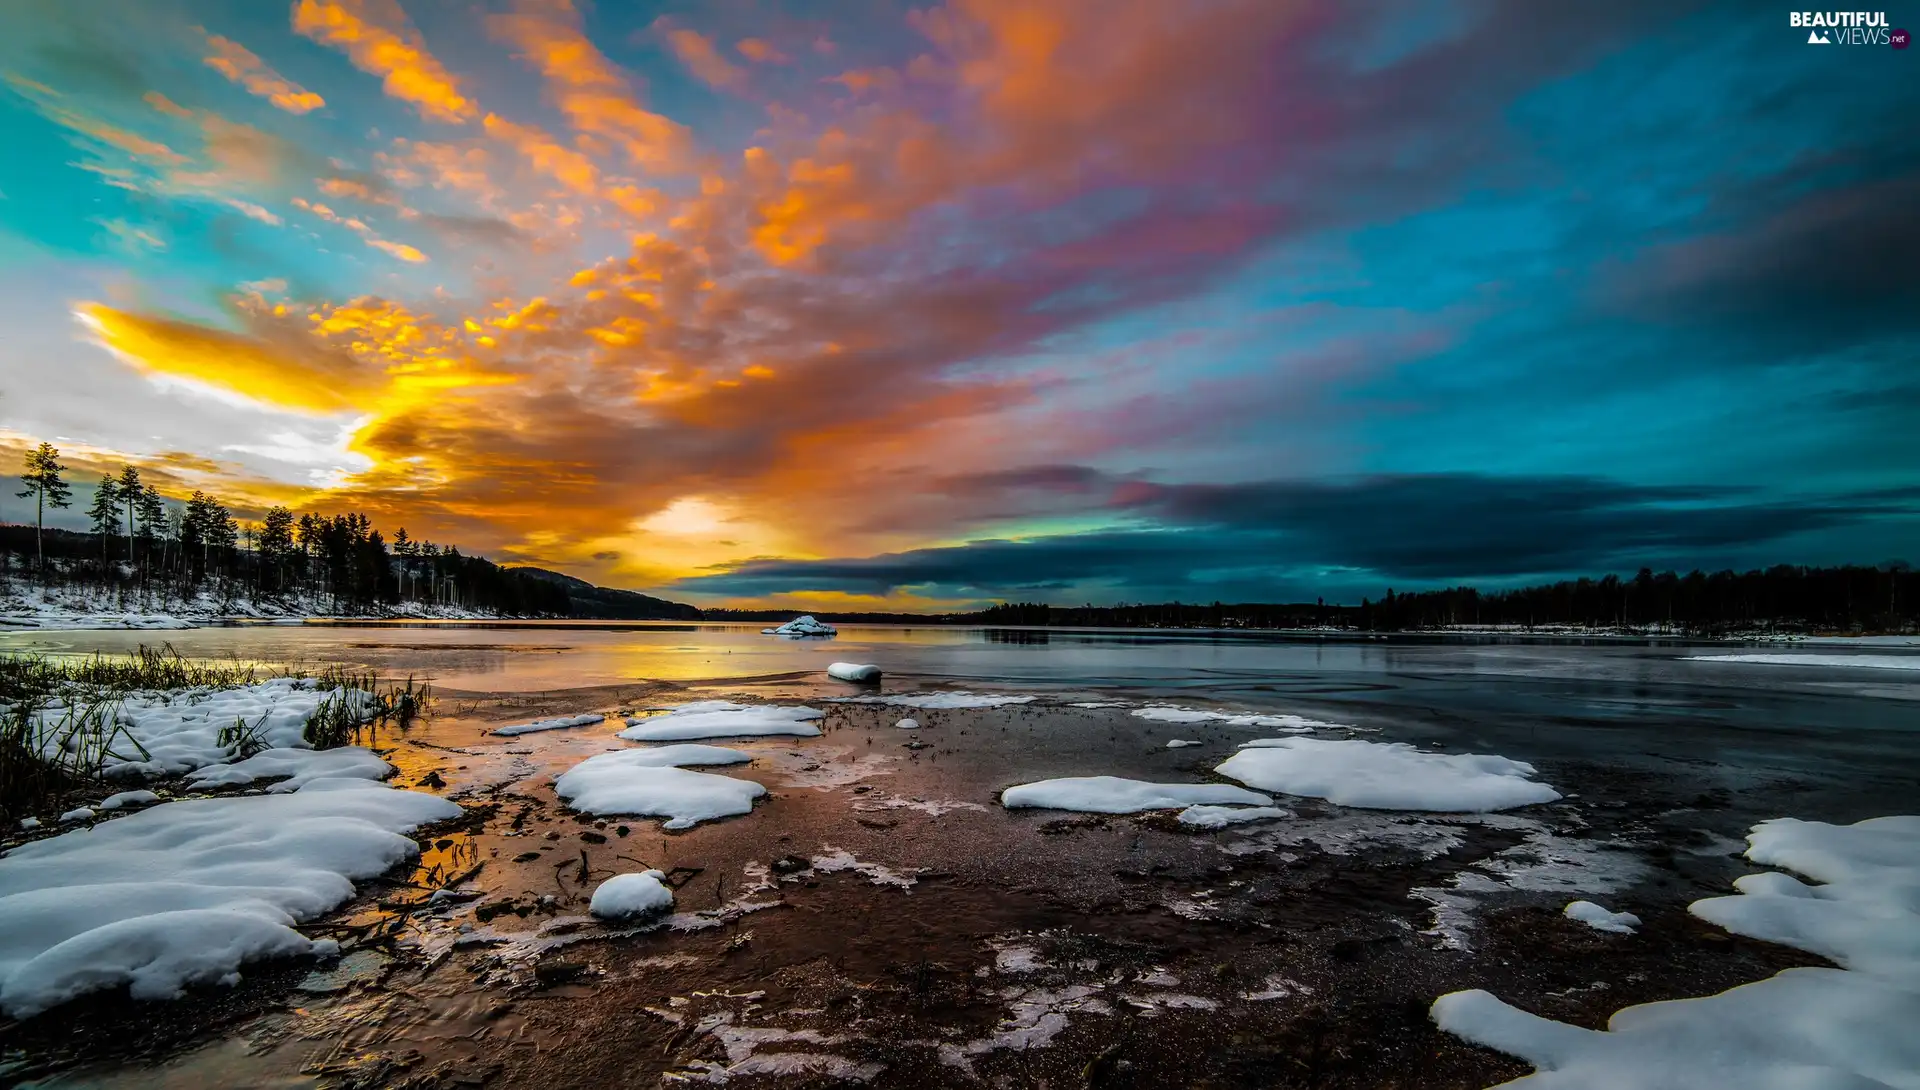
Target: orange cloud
{"points": [[241, 66], [696, 51], [548, 156], [376, 37], [359, 227], [284, 375], [589, 89], [760, 51]]}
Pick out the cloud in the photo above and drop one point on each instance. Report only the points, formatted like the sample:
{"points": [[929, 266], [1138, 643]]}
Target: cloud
{"points": [[761, 51], [240, 65], [697, 52], [376, 36]]}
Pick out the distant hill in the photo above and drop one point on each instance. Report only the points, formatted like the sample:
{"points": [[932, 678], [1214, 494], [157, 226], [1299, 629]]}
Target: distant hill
{"points": [[605, 603]]}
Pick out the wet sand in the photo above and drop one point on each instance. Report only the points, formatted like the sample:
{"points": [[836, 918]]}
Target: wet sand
{"points": [[880, 918]]}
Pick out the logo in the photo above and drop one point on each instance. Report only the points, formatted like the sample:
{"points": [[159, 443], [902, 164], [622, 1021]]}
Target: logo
{"points": [[1847, 28]]}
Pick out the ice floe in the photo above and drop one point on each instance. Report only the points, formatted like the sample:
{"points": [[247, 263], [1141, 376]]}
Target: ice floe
{"points": [[1856, 662], [1386, 775], [1602, 919], [858, 673], [626, 896], [803, 625], [649, 783], [723, 719], [1117, 795], [186, 892], [936, 700], [1167, 713], [1802, 1028], [1219, 817], [560, 723]]}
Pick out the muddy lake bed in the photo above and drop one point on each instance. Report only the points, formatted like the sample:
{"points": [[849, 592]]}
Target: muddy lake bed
{"points": [[879, 918]]}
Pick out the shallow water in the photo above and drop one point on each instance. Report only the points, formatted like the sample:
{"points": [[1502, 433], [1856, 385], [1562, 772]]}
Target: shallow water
{"points": [[925, 936]]}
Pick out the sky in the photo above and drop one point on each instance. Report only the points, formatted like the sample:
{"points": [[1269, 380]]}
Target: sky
{"points": [[857, 305]]}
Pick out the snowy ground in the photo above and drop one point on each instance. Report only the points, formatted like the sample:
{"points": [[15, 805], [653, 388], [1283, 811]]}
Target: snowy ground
{"points": [[77, 608]]}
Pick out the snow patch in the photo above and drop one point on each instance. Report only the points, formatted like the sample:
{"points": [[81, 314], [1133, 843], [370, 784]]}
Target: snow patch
{"points": [[1116, 795], [128, 798], [723, 719], [295, 768], [626, 896], [832, 860], [187, 892], [1219, 817], [908, 724], [1181, 743], [650, 783], [937, 700], [857, 673], [538, 725], [1805, 1027], [1601, 919], [1386, 775], [1168, 713]]}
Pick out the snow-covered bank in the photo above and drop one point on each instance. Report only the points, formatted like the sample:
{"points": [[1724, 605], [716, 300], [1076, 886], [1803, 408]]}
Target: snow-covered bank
{"points": [[187, 892], [1808, 1027], [81, 608]]}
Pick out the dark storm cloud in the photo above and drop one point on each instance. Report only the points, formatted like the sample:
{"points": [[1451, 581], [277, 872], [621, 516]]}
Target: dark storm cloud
{"points": [[1429, 528]]}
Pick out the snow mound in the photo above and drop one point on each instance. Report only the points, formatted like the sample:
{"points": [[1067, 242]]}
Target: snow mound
{"points": [[78, 813], [1116, 795], [1167, 713], [1181, 743], [858, 673], [186, 892], [1386, 775], [538, 725], [295, 767], [908, 724], [128, 798], [1837, 1028], [1219, 817], [723, 719], [1857, 662], [625, 896], [802, 626], [1600, 919], [937, 701], [648, 782]]}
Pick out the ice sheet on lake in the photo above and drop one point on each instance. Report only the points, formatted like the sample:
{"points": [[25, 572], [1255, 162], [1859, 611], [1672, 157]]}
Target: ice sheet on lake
{"points": [[649, 783], [187, 892], [1855, 662], [1807, 1027], [1386, 775], [856, 672], [803, 625], [723, 719], [1117, 795], [560, 723], [937, 700], [1602, 919]]}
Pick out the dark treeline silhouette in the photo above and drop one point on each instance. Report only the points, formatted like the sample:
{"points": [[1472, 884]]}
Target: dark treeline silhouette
{"points": [[146, 554], [1782, 598]]}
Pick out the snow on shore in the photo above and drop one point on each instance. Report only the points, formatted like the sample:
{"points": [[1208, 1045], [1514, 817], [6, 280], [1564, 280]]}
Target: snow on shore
{"points": [[650, 783], [1602, 919], [800, 627], [935, 701], [559, 723], [723, 719], [1219, 817], [856, 672], [187, 892], [1117, 795], [1386, 775], [1855, 662], [73, 608], [182, 731], [625, 896], [1805, 1027]]}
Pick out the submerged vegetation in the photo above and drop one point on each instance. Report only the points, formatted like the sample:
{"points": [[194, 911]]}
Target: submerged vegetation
{"points": [[62, 721]]}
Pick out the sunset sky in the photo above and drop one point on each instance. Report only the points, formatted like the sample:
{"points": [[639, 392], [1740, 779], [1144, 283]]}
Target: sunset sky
{"points": [[861, 305]]}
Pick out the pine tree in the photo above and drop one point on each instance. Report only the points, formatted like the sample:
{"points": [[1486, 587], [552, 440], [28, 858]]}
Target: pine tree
{"points": [[276, 541], [105, 512], [129, 485], [153, 520], [48, 488]]}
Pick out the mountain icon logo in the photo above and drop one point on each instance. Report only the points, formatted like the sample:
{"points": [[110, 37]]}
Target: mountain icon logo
{"points": [[1815, 37]]}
